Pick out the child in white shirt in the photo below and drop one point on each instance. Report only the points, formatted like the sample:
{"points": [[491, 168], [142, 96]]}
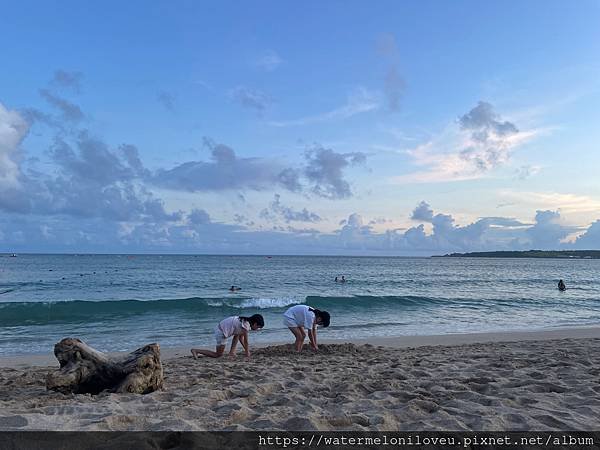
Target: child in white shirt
{"points": [[236, 326], [301, 317]]}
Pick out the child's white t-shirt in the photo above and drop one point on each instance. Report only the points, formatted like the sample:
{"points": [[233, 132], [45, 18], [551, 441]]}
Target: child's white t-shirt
{"points": [[301, 315], [233, 326]]}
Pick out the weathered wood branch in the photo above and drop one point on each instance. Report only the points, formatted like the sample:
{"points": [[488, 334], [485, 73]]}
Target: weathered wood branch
{"points": [[85, 370]]}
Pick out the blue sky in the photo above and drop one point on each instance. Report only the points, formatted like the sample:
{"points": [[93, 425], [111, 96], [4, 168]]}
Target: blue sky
{"points": [[405, 128]]}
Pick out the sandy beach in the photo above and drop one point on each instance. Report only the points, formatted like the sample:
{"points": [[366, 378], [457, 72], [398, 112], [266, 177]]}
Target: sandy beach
{"points": [[508, 381]]}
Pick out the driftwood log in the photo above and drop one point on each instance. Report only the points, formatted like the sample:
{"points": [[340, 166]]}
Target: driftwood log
{"points": [[85, 370]]}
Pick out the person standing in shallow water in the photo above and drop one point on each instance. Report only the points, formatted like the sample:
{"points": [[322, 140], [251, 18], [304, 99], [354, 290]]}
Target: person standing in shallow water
{"points": [[561, 285], [301, 317]]}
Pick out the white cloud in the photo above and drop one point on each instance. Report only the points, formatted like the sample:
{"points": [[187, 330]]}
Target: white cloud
{"points": [[590, 240], [250, 98], [567, 203], [358, 102], [13, 129], [277, 211], [478, 145], [527, 171], [269, 61]]}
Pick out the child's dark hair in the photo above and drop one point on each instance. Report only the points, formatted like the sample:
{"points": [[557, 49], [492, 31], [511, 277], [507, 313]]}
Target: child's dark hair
{"points": [[254, 319], [324, 315]]}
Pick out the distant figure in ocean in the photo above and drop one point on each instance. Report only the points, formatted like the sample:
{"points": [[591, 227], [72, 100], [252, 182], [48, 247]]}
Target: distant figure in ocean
{"points": [[301, 317], [561, 285], [336, 280], [343, 279], [235, 288], [236, 326]]}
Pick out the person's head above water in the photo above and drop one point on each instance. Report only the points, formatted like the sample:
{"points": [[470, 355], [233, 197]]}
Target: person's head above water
{"points": [[321, 317]]}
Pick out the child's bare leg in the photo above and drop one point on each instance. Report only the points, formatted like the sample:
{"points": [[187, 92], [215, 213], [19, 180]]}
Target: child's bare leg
{"points": [[234, 342], [198, 351], [299, 334]]}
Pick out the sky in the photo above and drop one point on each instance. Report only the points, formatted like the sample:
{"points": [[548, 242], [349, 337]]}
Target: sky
{"points": [[277, 127]]}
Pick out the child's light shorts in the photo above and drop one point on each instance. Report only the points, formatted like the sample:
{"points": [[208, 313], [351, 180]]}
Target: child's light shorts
{"points": [[290, 323], [220, 337]]}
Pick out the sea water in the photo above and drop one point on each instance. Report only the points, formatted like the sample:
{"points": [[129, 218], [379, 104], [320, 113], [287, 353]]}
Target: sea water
{"points": [[121, 302]]}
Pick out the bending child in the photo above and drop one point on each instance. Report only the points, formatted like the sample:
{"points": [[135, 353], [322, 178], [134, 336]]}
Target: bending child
{"points": [[300, 317], [236, 326]]}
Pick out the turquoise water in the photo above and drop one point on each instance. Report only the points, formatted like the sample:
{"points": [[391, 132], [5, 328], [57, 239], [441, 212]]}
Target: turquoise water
{"points": [[118, 302]]}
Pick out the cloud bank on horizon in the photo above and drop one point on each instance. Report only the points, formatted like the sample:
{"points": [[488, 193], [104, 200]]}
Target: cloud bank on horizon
{"points": [[278, 146]]}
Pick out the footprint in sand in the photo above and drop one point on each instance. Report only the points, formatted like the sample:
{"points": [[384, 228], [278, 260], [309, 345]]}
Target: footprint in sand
{"points": [[552, 422]]}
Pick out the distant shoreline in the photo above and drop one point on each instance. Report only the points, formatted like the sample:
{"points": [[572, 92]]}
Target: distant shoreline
{"points": [[561, 254]]}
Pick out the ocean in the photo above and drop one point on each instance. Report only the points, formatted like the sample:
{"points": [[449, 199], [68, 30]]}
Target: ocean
{"points": [[122, 302]]}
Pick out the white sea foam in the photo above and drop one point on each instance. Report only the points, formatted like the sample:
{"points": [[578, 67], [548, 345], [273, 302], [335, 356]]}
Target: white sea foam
{"points": [[263, 303]]}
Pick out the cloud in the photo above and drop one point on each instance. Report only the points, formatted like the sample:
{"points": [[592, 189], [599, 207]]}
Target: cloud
{"points": [[325, 168], [33, 116], [224, 171], [92, 161], [167, 100], [269, 61], [250, 98], [394, 87], [354, 232], [65, 79], [289, 178], [278, 210], [547, 232], [358, 102], [198, 217], [590, 240], [483, 122], [89, 181], [95, 181], [13, 129], [70, 111], [491, 139], [322, 173], [95, 197], [422, 212], [487, 233], [196, 232], [568, 203], [378, 221], [393, 82], [481, 144], [527, 171]]}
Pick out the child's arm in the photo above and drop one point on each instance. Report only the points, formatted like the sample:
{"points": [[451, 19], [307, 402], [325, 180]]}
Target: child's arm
{"points": [[234, 342], [312, 335], [244, 341]]}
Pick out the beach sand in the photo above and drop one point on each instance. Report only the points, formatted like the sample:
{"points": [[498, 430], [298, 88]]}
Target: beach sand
{"points": [[534, 381]]}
